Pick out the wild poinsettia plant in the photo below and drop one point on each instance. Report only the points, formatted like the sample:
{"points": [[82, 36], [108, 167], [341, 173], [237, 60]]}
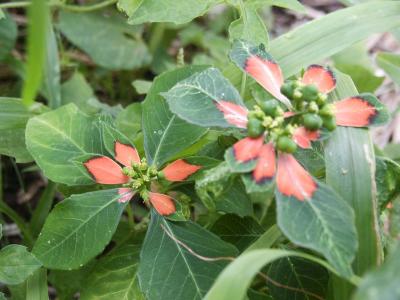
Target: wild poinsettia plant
{"points": [[138, 176], [309, 212]]}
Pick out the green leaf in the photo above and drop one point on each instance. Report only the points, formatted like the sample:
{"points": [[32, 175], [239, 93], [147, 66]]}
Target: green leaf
{"points": [[8, 35], [267, 239], [249, 26], [175, 11], [289, 4], [51, 73], [36, 286], [13, 119], [68, 283], [328, 35], [194, 99], [234, 281], [78, 91], [78, 229], [221, 192], [306, 279], [350, 165], [70, 134], [238, 231], [390, 63], [355, 62], [167, 269], [165, 135], [16, 264], [324, 223], [114, 276], [109, 44], [129, 120], [142, 87], [38, 15], [387, 177], [383, 283]]}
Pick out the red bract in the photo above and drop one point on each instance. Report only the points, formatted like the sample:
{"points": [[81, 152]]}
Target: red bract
{"points": [[106, 171]]}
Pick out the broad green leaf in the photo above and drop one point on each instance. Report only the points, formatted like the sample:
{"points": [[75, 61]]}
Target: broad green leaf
{"points": [[36, 286], [392, 151], [78, 91], [240, 232], [165, 134], [355, 62], [129, 120], [38, 15], [250, 26], [290, 4], [195, 98], [390, 63], [114, 276], [387, 177], [51, 73], [68, 283], [8, 35], [350, 166], [382, 283], [306, 279], [13, 119], [328, 35], [142, 87], [175, 11], [221, 192], [57, 138], [233, 282], [16, 264], [78, 228], [267, 239], [324, 223], [167, 269], [104, 40]]}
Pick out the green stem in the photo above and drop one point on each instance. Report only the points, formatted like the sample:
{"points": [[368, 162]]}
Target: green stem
{"points": [[43, 208], [156, 36], [243, 85], [129, 212], [75, 8]]}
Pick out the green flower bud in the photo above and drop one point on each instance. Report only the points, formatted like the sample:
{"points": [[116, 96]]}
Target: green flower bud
{"points": [[312, 121], [313, 107], [321, 99], [286, 144], [269, 107], [287, 89], [267, 121], [310, 92], [329, 122], [297, 95], [326, 110], [254, 128]]}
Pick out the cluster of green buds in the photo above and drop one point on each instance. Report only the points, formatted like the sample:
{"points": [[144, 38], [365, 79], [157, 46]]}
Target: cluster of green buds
{"points": [[141, 175], [311, 104], [267, 117]]}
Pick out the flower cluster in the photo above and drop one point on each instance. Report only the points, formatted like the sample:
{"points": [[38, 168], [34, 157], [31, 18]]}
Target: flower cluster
{"points": [[138, 177]]}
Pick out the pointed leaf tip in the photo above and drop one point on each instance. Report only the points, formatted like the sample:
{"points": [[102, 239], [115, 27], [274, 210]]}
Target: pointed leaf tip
{"points": [[105, 171], [266, 165], [260, 65], [360, 111], [304, 137], [179, 170], [126, 154], [233, 113], [293, 179], [322, 77], [162, 203]]}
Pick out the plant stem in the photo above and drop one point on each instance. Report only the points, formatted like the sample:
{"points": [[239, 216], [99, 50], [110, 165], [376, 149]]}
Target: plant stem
{"points": [[43, 208], [156, 36], [75, 8]]}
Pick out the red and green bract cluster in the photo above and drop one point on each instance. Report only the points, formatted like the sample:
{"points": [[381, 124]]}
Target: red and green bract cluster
{"points": [[138, 177]]}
